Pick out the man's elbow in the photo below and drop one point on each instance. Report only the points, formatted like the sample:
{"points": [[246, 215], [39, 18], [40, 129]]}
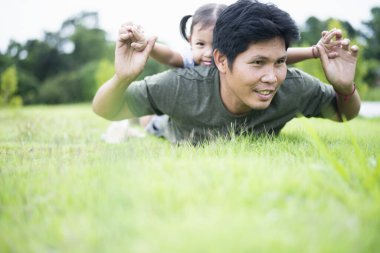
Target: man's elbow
{"points": [[98, 111], [350, 115]]}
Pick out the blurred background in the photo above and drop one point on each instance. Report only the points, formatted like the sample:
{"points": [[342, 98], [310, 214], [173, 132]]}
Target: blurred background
{"points": [[61, 52]]}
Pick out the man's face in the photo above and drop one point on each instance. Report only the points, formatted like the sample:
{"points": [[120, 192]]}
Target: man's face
{"points": [[256, 75]]}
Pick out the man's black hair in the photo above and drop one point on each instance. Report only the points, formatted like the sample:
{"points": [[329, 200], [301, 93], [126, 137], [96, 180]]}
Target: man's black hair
{"points": [[249, 21]]}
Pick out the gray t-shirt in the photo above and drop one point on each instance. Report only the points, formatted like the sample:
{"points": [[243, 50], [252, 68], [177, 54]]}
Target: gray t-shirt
{"points": [[191, 98]]}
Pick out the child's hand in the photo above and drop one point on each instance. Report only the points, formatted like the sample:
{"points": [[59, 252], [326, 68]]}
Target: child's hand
{"points": [[139, 41], [330, 46]]}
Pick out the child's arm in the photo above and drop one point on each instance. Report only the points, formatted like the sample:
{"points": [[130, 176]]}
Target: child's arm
{"points": [[160, 52], [166, 55], [297, 54]]}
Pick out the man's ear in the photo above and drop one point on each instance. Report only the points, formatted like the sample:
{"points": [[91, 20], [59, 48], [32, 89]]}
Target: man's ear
{"points": [[220, 61]]}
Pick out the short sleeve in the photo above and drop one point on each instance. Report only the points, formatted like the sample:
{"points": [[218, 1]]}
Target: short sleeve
{"points": [[188, 61], [318, 98], [153, 95]]}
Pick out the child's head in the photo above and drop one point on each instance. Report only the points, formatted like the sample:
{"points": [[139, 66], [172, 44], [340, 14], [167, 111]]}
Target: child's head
{"points": [[201, 30]]}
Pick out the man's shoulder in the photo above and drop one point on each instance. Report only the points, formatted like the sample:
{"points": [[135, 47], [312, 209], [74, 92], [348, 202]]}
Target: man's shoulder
{"points": [[294, 73], [181, 77], [298, 76], [197, 72]]}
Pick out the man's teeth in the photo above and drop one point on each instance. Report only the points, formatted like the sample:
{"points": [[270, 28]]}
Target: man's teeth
{"points": [[264, 92]]}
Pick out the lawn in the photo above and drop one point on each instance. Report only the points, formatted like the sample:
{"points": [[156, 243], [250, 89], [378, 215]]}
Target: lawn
{"points": [[314, 188]]}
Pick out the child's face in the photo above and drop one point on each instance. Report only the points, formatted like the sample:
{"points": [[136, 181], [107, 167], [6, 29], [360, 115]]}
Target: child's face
{"points": [[201, 44]]}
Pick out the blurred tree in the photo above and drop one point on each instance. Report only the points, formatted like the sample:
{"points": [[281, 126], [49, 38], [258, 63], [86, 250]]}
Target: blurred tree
{"points": [[41, 59], [152, 67], [70, 87], [372, 50], [104, 72], [311, 31], [28, 86], [8, 87]]}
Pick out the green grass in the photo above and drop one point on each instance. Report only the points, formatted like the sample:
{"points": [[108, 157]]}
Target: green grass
{"points": [[372, 94], [315, 188]]}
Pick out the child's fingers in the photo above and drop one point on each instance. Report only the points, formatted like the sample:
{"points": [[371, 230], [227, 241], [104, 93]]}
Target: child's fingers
{"points": [[138, 34], [124, 36], [138, 46], [125, 32]]}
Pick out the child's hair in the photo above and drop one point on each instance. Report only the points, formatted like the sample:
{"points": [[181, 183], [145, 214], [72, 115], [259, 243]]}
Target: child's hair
{"points": [[205, 15]]}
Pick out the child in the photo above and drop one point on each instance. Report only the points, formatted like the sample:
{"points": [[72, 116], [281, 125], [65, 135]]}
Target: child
{"points": [[200, 40]]}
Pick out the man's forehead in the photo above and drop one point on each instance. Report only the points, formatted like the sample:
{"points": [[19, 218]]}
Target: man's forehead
{"points": [[267, 49]]}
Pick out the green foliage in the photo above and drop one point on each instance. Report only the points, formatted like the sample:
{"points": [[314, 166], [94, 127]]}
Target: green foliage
{"points": [[89, 44], [372, 94], [41, 59], [312, 67], [104, 72], [314, 188], [311, 32], [152, 67], [372, 51], [28, 86], [372, 75], [70, 87], [80, 41], [8, 88]]}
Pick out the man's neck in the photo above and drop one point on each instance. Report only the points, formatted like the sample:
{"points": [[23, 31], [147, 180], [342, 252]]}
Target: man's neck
{"points": [[229, 99]]}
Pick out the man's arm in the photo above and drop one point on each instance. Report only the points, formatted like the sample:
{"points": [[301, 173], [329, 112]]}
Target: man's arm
{"points": [[109, 101], [340, 72]]}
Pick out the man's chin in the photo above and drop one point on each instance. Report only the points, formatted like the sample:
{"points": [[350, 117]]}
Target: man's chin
{"points": [[261, 105]]}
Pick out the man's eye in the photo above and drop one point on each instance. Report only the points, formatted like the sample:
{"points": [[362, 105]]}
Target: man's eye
{"points": [[281, 61]]}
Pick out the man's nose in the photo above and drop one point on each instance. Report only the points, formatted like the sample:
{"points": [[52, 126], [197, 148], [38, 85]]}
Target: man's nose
{"points": [[269, 76]]}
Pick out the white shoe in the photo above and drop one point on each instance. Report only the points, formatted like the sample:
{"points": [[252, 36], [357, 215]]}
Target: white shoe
{"points": [[119, 131]]}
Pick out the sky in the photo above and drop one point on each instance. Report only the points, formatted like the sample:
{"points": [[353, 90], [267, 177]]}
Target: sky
{"points": [[21, 20]]}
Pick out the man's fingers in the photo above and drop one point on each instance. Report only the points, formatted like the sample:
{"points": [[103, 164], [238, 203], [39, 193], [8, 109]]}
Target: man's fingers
{"points": [[345, 44], [354, 50], [327, 38], [332, 55], [322, 54]]}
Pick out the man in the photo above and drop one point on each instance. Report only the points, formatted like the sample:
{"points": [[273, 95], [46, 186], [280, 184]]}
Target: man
{"points": [[249, 90]]}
